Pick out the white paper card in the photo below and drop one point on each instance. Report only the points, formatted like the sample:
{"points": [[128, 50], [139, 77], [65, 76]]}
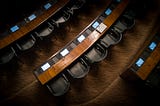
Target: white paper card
{"points": [[101, 27], [45, 66], [81, 38], [64, 52]]}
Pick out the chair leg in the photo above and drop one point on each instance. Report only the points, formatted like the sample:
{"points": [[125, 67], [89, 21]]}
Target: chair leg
{"points": [[55, 23], [17, 55], [38, 35]]}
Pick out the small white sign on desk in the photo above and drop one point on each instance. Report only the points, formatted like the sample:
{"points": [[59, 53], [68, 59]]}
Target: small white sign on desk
{"points": [[47, 6], [95, 25], [32, 17], [81, 38], [45, 66], [64, 52], [14, 28], [101, 27]]}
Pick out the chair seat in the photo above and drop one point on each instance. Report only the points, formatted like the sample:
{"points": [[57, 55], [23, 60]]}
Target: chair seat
{"points": [[111, 38], [59, 86], [128, 20], [61, 20], [26, 44], [77, 5], [79, 70], [45, 32], [107, 41], [6, 55], [120, 27], [96, 54], [65, 17]]}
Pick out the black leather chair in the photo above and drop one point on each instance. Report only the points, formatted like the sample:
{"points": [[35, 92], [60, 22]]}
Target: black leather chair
{"points": [[77, 4], [111, 38], [128, 19], [6, 55], [58, 86], [44, 30], [65, 16], [80, 69], [120, 27], [26, 43], [97, 53]]}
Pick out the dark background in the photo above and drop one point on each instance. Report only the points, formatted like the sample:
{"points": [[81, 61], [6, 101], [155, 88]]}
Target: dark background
{"points": [[11, 11]]}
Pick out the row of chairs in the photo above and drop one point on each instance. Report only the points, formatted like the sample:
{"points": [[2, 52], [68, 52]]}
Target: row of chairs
{"points": [[27, 42], [60, 85]]}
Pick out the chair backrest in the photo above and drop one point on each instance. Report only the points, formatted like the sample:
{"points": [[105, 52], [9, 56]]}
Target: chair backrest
{"points": [[77, 5], [111, 38], [45, 30], [25, 44], [106, 41], [128, 19], [58, 86], [80, 69], [6, 55], [97, 53], [120, 27], [63, 18], [115, 35]]}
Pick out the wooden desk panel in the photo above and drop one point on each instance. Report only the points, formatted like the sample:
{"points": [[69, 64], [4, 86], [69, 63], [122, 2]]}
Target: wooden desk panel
{"points": [[82, 47], [32, 24]]}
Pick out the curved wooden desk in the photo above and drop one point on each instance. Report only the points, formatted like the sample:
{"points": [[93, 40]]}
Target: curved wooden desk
{"points": [[5, 41], [145, 60], [149, 64], [52, 70]]}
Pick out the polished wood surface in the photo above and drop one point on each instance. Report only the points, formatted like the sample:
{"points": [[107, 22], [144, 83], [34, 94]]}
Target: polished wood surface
{"points": [[5, 41], [82, 47]]}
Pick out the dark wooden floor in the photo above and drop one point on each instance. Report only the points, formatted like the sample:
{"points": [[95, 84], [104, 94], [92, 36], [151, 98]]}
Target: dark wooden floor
{"points": [[102, 86]]}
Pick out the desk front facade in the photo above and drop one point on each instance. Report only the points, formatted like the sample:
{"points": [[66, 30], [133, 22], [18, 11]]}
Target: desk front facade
{"points": [[30, 26], [77, 47]]}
